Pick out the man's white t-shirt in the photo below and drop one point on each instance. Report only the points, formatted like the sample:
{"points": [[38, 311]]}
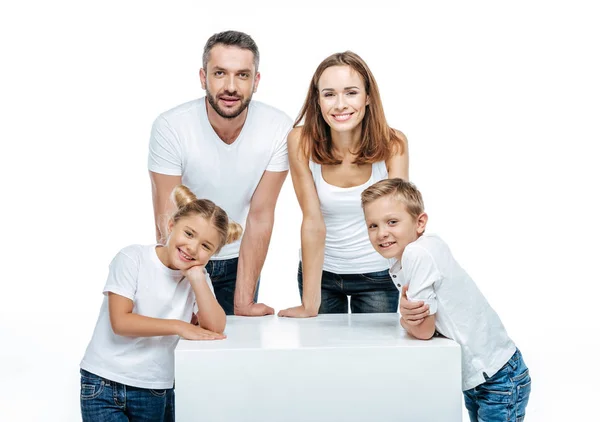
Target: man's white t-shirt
{"points": [[183, 143], [137, 273], [461, 311]]}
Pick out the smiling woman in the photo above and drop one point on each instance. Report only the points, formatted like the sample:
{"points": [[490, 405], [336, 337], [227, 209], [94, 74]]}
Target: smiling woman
{"points": [[343, 146]]}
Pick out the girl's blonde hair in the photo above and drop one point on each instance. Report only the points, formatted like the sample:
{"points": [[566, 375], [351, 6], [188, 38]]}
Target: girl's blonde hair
{"points": [[188, 204], [400, 189]]}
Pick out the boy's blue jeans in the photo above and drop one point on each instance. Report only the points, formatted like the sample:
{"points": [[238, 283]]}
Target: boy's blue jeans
{"points": [[369, 292], [108, 401], [504, 396]]}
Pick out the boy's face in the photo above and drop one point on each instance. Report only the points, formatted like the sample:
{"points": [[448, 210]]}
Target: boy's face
{"points": [[391, 227]]}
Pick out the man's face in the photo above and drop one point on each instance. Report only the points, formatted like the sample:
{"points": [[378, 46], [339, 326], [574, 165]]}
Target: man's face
{"points": [[229, 79]]}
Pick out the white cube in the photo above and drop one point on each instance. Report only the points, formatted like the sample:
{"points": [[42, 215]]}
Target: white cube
{"points": [[342, 367]]}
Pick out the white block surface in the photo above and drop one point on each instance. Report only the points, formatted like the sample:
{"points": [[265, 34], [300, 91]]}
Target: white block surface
{"points": [[343, 367]]}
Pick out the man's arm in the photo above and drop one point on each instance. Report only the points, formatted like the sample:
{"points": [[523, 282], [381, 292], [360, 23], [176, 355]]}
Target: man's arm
{"points": [[255, 243], [162, 186]]}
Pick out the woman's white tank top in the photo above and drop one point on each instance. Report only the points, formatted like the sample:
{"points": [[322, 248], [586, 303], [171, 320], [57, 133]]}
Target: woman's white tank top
{"points": [[347, 246]]}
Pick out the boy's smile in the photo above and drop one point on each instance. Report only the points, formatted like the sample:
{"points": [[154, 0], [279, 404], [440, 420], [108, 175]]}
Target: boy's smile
{"points": [[391, 227]]}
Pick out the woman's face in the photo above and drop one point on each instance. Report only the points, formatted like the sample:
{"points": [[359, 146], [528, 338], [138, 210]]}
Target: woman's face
{"points": [[343, 98]]}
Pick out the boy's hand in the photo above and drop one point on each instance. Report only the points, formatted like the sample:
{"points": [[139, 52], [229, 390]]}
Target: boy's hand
{"points": [[413, 313], [195, 332]]}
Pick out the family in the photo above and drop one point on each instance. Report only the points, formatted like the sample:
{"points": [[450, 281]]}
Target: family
{"points": [[217, 165]]}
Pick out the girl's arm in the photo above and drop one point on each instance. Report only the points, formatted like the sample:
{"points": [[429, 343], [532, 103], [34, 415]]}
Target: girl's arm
{"points": [[397, 164], [312, 231], [125, 323], [211, 315]]}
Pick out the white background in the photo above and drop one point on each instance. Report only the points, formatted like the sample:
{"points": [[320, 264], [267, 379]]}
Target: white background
{"points": [[500, 103]]}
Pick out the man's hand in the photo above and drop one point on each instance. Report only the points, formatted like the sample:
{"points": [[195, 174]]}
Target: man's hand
{"points": [[413, 313], [297, 312], [195, 332], [253, 309]]}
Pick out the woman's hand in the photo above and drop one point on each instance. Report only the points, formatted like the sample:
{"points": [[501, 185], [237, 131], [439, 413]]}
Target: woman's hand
{"points": [[297, 312]]}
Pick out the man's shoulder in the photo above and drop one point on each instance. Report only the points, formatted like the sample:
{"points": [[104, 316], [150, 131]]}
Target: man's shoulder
{"points": [[269, 113], [183, 110]]}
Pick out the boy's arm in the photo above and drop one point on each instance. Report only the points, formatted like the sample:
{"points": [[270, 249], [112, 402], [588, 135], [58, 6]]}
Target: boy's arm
{"points": [[424, 330], [421, 274]]}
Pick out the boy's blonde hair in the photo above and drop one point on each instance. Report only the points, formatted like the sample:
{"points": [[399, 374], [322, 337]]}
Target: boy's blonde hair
{"points": [[402, 190]]}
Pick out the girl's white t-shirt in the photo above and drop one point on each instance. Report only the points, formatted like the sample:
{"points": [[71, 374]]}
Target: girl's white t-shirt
{"points": [[137, 273]]}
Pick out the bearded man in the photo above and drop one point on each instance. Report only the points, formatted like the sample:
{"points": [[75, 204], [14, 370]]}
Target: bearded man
{"points": [[232, 150]]}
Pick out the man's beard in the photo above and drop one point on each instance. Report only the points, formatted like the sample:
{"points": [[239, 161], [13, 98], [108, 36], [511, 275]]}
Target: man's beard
{"points": [[227, 114]]}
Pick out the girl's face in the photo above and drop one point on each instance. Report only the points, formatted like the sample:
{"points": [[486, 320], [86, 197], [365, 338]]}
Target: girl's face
{"points": [[343, 98], [192, 241]]}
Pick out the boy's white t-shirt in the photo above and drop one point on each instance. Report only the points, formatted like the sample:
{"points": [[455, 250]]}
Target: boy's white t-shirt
{"points": [[137, 273], [183, 143], [461, 311]]}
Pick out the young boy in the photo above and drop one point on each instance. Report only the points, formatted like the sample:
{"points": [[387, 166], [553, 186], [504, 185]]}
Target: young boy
{"points": [[495, 379]]}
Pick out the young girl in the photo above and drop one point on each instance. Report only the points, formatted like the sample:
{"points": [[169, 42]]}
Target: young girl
{"points": [[128, 368], [344, 145]]}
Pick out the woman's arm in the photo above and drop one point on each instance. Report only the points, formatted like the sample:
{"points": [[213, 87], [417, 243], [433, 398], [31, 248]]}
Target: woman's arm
{"points": [[125, 323], [397, 164], [312, 231]]}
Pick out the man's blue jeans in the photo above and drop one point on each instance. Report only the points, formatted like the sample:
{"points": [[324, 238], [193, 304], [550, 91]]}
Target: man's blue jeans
{"points": [[223, 274], [369, 292], [108, 401], [504, 396]]}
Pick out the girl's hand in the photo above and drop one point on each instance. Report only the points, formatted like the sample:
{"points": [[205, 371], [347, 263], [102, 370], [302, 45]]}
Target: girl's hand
{"points": [[195, 274], [195, 332]]}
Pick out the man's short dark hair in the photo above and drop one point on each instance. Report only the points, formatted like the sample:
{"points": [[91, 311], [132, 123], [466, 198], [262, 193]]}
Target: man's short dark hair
{"points": [[231, 38]]}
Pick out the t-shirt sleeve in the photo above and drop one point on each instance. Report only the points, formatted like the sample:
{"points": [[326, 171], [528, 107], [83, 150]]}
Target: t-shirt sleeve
{"points": [[279, 159], [122, 276], [421, 273], [164, 152]]}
